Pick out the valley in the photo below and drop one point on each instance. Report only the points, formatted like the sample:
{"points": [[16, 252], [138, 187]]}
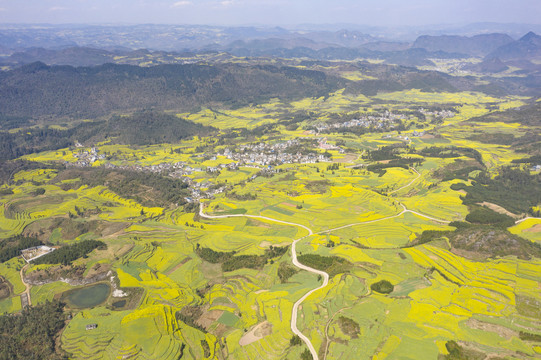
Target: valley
{"points": [[276, 208]]}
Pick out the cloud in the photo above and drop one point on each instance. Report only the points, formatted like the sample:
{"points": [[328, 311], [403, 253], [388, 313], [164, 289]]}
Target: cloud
{"points": [[227, 2], [58, 8], [181, 3]]}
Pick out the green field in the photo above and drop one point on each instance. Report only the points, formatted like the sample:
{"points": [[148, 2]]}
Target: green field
{"points": [[179, 303]]}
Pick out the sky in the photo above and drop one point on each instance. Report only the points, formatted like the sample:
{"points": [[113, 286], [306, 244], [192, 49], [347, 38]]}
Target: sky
{"points": [[271, 12]]}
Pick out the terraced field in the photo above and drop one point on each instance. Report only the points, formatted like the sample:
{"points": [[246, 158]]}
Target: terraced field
{"points": [[291, 249]]}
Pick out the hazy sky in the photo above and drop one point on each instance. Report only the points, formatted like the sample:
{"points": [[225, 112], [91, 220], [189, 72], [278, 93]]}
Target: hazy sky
{"points": [[271, 12]]}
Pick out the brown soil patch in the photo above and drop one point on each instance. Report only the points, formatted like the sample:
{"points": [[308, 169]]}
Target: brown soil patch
{"points": [[468, 254], [113, 229], [257, 333], [534, 229], [209, 317], [4, 290], [257, 223], [265, 244], [359, 209], [264, 330], [71, 272], [427, 136], [499, 209], [289, 204], [498, 329], [97, 269], [220, 330], [348, 158]]}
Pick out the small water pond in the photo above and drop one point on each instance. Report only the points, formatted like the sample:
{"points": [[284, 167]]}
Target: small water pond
{"points": [[87, 296], [119, 304]]}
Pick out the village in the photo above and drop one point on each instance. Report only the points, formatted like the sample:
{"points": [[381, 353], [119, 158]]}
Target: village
{"points": [[386, 120], [262, 156], [273, 154]]}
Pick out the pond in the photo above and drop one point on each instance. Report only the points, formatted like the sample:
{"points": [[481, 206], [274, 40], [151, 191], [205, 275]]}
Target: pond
{"points": [[119, 304], [87, 296]]}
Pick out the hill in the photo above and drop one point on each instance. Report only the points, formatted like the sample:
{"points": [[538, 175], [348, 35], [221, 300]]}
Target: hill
{"points": [[479, 241], [75, 56], [40, 91], [478, 45], [527, 47], [141, 128]]}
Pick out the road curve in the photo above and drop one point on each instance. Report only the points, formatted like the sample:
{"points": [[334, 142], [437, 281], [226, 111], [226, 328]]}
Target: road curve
{"points": [[323, 274], [253, 217], [296, 262], [294, 312], [404, 210]]}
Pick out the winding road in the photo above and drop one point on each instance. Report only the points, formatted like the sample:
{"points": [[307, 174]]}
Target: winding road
{"points": [[296, 262], [323, 274]]}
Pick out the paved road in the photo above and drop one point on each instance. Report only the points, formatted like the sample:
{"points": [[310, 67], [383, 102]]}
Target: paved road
{"points": [[323, 274], [294, 312], [251, 216], [526, 218]]}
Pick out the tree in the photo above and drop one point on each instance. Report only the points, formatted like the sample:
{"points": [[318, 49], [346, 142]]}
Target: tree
{"points": [[306, 355]]}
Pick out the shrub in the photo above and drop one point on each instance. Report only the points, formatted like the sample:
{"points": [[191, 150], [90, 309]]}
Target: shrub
{"points": [[383, 287]]}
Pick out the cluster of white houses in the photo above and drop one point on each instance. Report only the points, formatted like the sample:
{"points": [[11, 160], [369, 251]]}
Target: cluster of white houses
{"points": [[379, 121], [261, 155], [271, 154]]}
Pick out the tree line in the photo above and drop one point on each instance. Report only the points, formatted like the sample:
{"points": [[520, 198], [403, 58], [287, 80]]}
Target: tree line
{"points": [[230, 261], [67, 254], [11, 247]]}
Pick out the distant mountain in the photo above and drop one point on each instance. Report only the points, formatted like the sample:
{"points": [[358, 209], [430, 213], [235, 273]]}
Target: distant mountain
{"points": [[196, 37], [275, 43], [40, 91], [410, 33], [416, 57], [85, 56], [345, 38], [408, 57], [527, 47], [479, 45], [75, 56], [386, 46]]}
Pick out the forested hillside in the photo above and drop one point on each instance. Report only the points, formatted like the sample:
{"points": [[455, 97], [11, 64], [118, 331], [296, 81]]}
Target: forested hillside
{"points": [[39, 91], [140, 128]]}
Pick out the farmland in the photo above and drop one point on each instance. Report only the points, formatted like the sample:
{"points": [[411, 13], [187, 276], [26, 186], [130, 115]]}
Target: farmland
{"points": [[196, 235]]}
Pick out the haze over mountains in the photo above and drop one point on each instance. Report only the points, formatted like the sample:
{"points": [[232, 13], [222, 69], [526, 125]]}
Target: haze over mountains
{"points": [[90, 88], [95, 45]]}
